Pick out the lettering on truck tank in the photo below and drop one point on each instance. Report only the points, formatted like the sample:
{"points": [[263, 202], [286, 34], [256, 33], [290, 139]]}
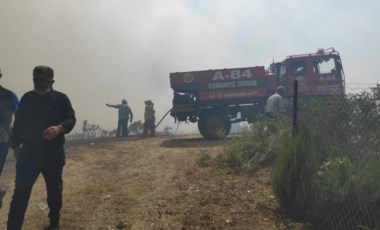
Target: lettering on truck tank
{"points": [[222, 85], [232, 84], [247, 83], [233, 75]]}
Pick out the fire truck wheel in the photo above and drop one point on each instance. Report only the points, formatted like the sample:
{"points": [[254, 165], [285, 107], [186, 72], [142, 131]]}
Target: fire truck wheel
{"points": [[214, 124], [201, 129]]}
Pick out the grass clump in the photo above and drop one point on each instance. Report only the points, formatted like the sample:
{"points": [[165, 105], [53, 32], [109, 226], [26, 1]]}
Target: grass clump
{"points": [[253, 147], [204, 159]]}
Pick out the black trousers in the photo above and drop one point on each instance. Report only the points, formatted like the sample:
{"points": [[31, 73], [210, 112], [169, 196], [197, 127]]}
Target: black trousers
{"points": [[30, 164]]}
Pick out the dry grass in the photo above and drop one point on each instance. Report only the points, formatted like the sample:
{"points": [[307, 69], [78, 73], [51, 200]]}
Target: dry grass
{"points": [[153, 183]]}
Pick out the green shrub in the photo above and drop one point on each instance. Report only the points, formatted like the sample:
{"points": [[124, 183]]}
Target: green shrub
{"points": [[339, 178], [253, 146], [328, 174], [351, 190], [292, 175], [204, 159], [335, 178]]}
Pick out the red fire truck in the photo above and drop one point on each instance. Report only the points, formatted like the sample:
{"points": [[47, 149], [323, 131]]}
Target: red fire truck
{"points": [[216, 98]]}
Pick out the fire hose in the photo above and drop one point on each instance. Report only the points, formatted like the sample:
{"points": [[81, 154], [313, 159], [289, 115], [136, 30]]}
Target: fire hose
{"points": [[163, 117]]}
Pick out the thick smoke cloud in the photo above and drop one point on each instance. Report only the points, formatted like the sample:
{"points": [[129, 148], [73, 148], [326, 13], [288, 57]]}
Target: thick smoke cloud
{"points": [[104, 51]]}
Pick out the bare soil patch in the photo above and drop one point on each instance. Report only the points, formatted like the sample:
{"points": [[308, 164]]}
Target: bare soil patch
{"points": [[153, 183]]}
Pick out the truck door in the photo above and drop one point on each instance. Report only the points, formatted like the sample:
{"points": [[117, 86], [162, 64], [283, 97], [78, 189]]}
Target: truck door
{"points": [[328, 75], [299, 69]]}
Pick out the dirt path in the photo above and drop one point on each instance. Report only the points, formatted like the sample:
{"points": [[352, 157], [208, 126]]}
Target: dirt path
{"points": [[152, 183]]}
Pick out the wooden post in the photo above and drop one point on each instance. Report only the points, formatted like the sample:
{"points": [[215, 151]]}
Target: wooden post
{"points": [[295, 109]]}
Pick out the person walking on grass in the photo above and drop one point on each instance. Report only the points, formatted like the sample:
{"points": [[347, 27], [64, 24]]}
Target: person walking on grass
{"points": [[8, 107], [43, 118], [125, 114]]}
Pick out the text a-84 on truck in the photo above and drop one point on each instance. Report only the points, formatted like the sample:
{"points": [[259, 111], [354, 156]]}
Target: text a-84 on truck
{"points": [[216, 98]]}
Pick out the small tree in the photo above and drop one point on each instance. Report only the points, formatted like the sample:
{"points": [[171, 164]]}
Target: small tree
{"points": [[136, 127], [90, 131], [167, 131]]}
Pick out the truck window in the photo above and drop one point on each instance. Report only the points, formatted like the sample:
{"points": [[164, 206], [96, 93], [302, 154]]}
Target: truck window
{"points": [[297, 68], [324, 65], [283, 70]]}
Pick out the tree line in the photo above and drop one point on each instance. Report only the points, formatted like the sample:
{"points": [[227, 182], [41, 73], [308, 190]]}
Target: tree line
{"points": [[93, 131]]}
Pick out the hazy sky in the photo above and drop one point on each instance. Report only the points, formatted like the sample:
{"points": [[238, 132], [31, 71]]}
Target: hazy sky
{"points": [[105, 50]]}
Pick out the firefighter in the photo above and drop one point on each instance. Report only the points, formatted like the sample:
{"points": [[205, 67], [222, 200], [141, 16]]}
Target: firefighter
{"points": [[150, 119]]}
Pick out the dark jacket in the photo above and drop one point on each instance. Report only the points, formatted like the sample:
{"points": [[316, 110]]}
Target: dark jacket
{"points": [[38, 112], [8, 105]]}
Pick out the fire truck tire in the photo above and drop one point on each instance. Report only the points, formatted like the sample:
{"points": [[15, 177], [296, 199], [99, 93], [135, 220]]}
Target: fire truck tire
{"points": [[201, 129], [214, 124]]}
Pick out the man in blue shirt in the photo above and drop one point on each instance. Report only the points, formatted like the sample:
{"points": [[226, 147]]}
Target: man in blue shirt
{"points": [[125, 114], [8, 108]]}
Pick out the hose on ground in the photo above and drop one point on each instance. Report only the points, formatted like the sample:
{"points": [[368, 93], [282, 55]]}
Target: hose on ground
{"points": [[163, 117]]}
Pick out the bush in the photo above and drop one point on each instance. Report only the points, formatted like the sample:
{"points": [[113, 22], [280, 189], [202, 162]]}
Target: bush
{"points": [[335, 178], [351, 190], [252, 148], [291, 174], [204, 159], [339, 178], [328, 174]]}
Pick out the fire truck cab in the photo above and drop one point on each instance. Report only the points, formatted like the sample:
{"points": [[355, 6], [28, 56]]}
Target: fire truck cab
{"points": [[318, 74]]}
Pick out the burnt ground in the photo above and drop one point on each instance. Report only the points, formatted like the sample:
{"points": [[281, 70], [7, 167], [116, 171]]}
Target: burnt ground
{"points": [[153, 183]]}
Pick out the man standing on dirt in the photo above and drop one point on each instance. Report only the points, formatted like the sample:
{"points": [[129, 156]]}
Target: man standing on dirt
{"points": [[43, 118], [125, 114], [8, 107], [150, 119]]}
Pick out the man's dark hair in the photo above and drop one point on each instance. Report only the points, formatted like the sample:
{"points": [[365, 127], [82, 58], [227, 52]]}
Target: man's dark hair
{"points": [[46, 70]]}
